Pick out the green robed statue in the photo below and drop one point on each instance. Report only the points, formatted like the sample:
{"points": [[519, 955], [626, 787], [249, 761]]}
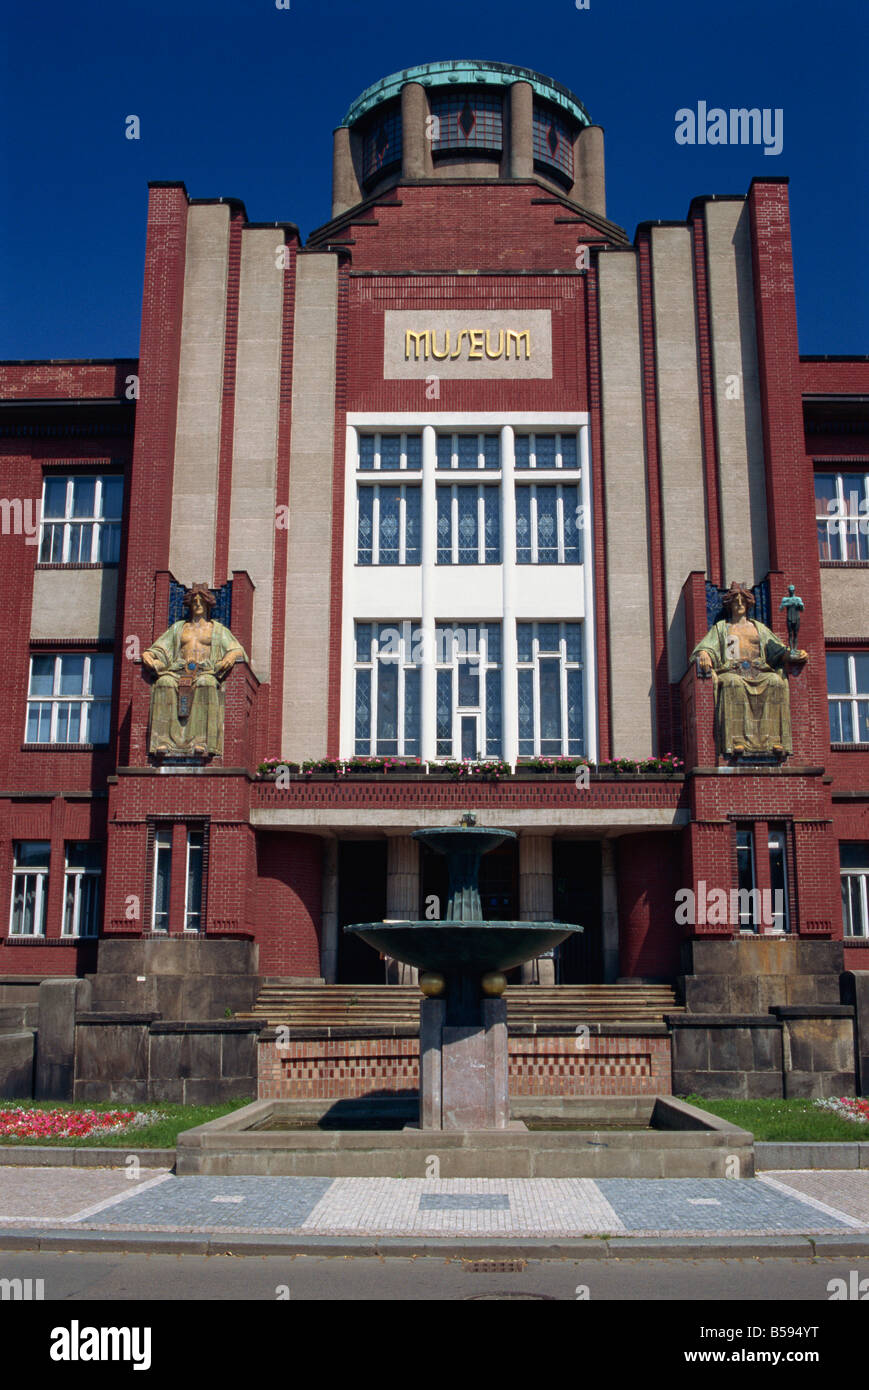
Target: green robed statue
{"points": [[191, 660], [749, 666]]}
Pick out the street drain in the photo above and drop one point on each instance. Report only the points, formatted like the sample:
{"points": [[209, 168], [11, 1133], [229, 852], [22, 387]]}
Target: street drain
{"points": [[494, 1266]]}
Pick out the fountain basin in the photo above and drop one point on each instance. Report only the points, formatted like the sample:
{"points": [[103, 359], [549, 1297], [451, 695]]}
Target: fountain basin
{"points": [[451, 946]]}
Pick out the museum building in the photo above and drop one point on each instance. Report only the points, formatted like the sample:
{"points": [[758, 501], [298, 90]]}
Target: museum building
{"points": [[594, 442]]}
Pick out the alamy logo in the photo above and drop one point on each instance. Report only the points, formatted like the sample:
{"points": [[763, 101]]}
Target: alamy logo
{"points": [[739, 907], [76, 1343], [712, 125], [20, 517], [21, 1290]]}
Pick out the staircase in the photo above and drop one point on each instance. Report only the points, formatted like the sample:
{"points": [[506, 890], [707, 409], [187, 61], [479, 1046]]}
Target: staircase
{"points": [[562, 1006]]}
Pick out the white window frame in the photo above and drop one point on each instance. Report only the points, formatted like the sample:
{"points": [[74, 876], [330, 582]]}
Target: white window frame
{"points": [[559, 525], [486, 671], [403, 489], [481, 559], [842, 522], [41, 876], [78, 875], [409, 634], [379, 436], [57, 701], [854, 697], [162, 841], [773, 835], [563, 470], [188, 912], [533, 664], [753, 928], [68, 522]]}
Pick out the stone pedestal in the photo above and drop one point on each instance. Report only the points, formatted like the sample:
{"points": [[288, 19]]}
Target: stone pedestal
{"points": [[463, 1068]]}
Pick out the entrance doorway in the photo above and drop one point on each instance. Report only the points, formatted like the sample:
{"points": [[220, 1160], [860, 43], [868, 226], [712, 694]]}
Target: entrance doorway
{"points": [[361, 898], [576, 874], [499, 882]]}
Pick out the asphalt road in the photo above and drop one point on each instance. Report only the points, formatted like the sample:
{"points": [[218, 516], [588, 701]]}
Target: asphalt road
{"points": [[79, 1278]]}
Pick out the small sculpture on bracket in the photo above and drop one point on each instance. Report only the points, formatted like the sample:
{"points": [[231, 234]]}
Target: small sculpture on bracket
{"points": [[793, 607], [191, 660], [749, 668]]}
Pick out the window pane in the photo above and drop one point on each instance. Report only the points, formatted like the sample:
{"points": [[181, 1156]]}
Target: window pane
{"points": [[568, 451], [491, 451], [526, 712], [445, 450], [493, 643], [387, 707], [32, 854], [548, 637], [837, 673], [861, 673], [363, 641], [110, 543], [71, 675], [54, 500], [523, 450], [42, 675], [468, 531], [572, 535], [414, 451], [388, 534], [468, 449], [469, 684], [493, 714], [825, 493], [97, 725], [390, 452], [194, 879], [411, 712], [544, 449], [89, 905], [492, 514], [84, 854], [365, 531], [366, 451], [444, 713], [547, 527], [841, 723], [412, 553], [524, 634], [854, 855], [83, 496], [575, 735], [363, 712], [444, 526], [573, 642], [101, 674], [863, 721], [469, 737], [523, 525], [162, 880], [550, 706], [113, 496]]}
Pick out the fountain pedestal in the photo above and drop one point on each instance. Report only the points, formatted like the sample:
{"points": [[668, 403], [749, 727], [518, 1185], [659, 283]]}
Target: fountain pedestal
{"points": [[463, 1068]]}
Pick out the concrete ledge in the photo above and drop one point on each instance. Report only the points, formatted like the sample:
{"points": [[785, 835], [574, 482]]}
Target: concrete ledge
{"points": [[45, 1156], [496, 1247], [794, 1156]]}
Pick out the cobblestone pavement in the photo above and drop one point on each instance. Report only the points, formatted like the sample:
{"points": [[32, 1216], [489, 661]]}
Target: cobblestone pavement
{"points": [[804, 1203]]}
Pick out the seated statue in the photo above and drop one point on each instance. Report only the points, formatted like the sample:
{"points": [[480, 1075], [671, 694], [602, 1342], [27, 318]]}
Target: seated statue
{"points": [[749, 667], [191, 660]]}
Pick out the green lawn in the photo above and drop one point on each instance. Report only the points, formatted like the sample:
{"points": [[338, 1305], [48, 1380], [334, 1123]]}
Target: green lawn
{"points": [[160, 1135], [784, 1120]]}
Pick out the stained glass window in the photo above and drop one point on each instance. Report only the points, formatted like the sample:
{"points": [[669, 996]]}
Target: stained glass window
{"points": [[388, 525], [550, 690], [546, 524], [553, 141], [389, 453], [469, 451], [381, 149], [545, 451], [469, 690], [387, 695], [468, 525], [466, 120]]}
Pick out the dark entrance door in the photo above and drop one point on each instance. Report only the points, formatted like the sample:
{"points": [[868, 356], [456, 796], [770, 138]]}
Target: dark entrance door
{"points": [[361, 898], [576, 872]]}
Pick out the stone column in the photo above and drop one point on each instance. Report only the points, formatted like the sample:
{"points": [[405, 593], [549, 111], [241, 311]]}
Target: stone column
{"points": [[609, 911], [346, 192], [521, 130], [329, 928], [402, 897], [509, 691], [416, 162], [535, 899], [428, 580], [589, 186]]}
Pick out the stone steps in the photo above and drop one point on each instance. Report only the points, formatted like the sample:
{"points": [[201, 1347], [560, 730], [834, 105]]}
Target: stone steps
{"points": [[310, 1006]]}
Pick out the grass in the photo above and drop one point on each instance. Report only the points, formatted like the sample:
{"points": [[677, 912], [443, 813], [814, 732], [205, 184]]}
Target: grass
{"points": [[784, 1121], [162, 1134]]}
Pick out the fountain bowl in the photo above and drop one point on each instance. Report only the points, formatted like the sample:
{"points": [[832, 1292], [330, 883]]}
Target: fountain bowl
{"points": [[449, 946]]}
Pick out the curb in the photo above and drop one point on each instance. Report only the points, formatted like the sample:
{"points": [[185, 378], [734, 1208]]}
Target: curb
{"points": [[590, 1248], [46, 1156], [769, 1156]]}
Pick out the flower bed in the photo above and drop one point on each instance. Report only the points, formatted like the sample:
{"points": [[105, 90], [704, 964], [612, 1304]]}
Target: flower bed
{"points": [[846, 1108], [18, 1123]]}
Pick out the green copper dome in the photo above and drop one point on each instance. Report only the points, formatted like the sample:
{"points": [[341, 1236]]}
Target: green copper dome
{"points": [[467, 73]]}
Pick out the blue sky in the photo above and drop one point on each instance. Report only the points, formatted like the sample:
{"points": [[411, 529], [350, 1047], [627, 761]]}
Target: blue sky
{"points": [[238, 98]]}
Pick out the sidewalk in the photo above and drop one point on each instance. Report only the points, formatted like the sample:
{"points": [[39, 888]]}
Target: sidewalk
{"points": [[810, 1213]]}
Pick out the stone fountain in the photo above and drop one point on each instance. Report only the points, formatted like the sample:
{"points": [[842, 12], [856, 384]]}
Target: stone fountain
{"points": [[462, 958]]}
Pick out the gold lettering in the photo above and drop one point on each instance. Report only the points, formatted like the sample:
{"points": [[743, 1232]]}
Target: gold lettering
{"points": [[500, 352], [476, 336], [416, 340], [463, 333], [434, 338], [515, 338]]}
